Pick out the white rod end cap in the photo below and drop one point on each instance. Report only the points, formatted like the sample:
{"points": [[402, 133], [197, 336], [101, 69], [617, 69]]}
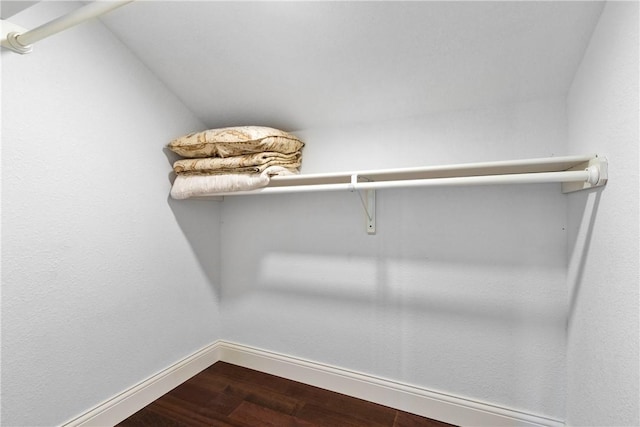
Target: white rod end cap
{"points": [[13, 44]]}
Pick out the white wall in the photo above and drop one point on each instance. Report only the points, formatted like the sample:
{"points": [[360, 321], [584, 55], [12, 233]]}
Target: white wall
{"points": [[462, 290], [100, 285], [105, 281], [603, 340]]}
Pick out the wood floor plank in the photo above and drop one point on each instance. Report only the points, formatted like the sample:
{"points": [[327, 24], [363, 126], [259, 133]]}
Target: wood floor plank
{"points": [[324, 416], [194, 393], [264, 396], [368, 412], [212, 405], [237, 373], [223, 403], [256, 415], [210, 381], [225, 395], [147, 418], [180, 411], [275, 401]]}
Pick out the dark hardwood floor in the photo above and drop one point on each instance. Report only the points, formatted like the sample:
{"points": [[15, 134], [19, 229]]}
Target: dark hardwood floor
{"points": [[229, 395]]}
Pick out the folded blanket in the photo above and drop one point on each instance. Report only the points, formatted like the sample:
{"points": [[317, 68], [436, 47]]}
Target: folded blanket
{"points": [[235, 141], [188, 185], [249, 163]]}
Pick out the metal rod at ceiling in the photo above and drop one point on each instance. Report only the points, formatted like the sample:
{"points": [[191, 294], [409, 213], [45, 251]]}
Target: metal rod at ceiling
{"points": [[21, 42]]}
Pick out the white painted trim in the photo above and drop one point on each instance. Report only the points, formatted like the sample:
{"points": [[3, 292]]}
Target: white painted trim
{"points": [[417, 400], [130, 401], [433, 404]]}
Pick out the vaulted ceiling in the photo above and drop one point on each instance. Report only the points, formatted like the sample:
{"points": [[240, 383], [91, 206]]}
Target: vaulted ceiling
{"points": [[297, 65], [303, 64]]}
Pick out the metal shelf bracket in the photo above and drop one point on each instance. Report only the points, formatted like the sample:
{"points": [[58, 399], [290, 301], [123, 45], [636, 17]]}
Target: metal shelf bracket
{"points": [[370, 211], [368, 203]]}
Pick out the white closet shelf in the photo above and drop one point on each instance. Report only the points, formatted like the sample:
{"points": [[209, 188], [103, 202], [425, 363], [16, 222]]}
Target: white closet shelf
{"points": [[574, 172]]}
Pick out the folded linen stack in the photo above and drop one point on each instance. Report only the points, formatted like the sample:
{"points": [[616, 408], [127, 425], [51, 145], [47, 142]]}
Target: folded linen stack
{"points": [[232, 159]]}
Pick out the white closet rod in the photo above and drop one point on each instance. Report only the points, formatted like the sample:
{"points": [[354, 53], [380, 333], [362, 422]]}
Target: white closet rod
{"points": [[590, 175], [21, 42]]}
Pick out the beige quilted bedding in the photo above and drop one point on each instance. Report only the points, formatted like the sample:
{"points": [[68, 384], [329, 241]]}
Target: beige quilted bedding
{"points": [[235, 141], [246, 164], [190, 185], [232, 159]]}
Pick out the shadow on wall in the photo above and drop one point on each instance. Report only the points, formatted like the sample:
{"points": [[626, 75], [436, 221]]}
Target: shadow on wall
{"points": [[489, 292], [199, 221], [583, 209], [492, 254]]}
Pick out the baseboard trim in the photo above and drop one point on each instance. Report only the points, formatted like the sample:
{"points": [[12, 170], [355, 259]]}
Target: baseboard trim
{"points": [[444, 407], [441, 406], [130, 401]]}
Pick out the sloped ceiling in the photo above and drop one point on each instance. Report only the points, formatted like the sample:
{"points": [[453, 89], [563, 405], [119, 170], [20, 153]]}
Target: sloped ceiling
{"points": [[299, 65], [8, 8]]}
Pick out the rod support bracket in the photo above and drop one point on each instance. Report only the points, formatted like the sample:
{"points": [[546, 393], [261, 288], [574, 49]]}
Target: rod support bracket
{"points": [[14, 43], [10, 33], [598, 174], [370, 211], [368, 202]]}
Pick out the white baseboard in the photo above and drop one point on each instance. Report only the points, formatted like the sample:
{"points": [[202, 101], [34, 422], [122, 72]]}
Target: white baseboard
{"points": [[417, 400], [130, 401], [444, 407]]}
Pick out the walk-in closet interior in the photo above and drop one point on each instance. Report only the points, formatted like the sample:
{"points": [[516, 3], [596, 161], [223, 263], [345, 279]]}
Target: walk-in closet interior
{"points": [[461, 241]]}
